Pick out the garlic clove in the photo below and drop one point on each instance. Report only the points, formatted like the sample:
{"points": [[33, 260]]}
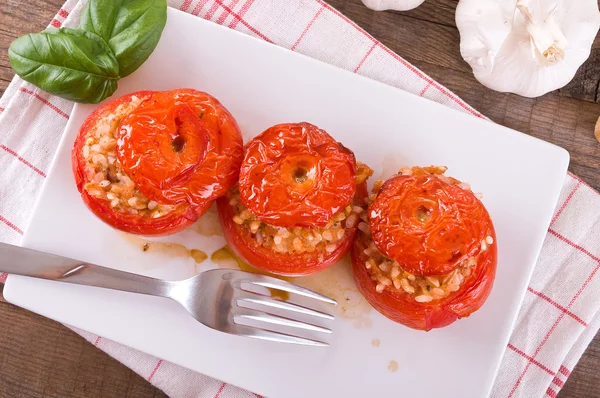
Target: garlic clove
{"points": [[528, 47], [597, 130], [398, 5]]}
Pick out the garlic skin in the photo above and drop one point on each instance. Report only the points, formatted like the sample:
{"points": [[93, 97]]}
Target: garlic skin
{"points": [[597, 130], [527, 47], [398, 5]]}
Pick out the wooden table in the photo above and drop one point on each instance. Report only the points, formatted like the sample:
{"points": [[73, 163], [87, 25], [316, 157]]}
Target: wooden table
{"points": [[41, 358]]}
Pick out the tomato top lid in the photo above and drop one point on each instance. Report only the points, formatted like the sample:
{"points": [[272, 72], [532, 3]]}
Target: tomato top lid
{"points": [[427, 225], [296, 175], [180, 146]]}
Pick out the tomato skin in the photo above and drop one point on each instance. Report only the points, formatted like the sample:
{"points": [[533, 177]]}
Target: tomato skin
{"points": [[131, 223], [426, 224], [296, 175], [206, 165], [184, 215], [245, 246], [401, 307]]}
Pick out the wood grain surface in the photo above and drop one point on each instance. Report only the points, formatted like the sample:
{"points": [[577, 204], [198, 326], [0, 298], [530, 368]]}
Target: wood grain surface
{"points": [[41, 358]]}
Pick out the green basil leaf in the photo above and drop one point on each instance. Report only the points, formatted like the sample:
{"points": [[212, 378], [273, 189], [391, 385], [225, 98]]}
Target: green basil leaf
{"points": [[131, 28], [72, 64]]}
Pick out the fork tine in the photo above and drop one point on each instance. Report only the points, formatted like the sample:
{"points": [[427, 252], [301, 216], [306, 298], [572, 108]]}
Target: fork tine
{"points": [[261, 334], [285, 306], [258, 316], [278, 284]]}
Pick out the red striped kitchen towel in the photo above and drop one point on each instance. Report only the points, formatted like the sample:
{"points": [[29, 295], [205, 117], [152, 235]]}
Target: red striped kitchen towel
{"points": [[559, 316]]}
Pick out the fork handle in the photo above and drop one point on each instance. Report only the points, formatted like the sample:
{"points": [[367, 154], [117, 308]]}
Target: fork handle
{"points": [[21, 261]]}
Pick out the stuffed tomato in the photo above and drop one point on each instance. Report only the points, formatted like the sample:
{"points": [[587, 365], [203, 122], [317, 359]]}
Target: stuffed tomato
{"points": [[298, 201], [152, 163], [426, 252]]}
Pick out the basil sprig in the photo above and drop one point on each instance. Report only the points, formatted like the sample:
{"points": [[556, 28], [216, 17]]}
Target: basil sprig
{"points": [[83, 65]]}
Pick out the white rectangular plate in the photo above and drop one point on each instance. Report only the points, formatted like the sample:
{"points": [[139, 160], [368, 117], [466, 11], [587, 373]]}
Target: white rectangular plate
{"points": [[262, 85]]}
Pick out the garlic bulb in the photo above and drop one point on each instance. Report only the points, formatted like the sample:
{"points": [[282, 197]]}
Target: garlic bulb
{"points": [[527, 47], [398, 5]]}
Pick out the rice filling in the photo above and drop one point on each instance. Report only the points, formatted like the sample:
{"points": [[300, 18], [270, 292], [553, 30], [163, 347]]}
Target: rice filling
{"points": [[388, 273], [301, 240], [105, 175]]}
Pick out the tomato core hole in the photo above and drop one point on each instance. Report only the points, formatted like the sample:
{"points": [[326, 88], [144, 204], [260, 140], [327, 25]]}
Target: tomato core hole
{"points": [[300, 174], [178, 143], [423, 214], [456, 255]]}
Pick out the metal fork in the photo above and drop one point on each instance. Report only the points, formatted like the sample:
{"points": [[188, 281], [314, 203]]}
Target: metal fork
{"points": [[227, 300]]}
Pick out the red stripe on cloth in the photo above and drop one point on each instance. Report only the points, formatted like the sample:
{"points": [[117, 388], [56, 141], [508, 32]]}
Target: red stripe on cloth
{"points": [[55, 23], [155, 369], [45, 101], [198, 7], [310, 24], [211, 11], [11, 225], [554, 303], [3, 277], [362, 61], [422, 93], [97, 341], [580, 180], [63, 13], [441, 89], [575, 245], [186, 4], [243, 10], [220, 390], [550, 392], [246, 24], [565, 203], [562, 314], [1, 109], [564, 371], [351, 22], [258, 396], [25, 162], [417, 72], [225, 13], [531, 360], [558, 382]]}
